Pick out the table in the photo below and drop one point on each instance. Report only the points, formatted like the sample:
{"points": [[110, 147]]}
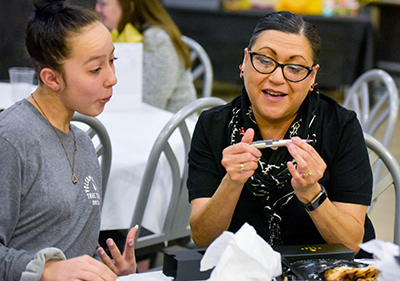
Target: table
{"points": [[133, 132], [347, 43], [133, 127], [148, 276]]}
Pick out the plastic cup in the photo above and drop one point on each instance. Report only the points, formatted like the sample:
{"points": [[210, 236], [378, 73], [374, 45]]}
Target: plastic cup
{"points": [[21, 79]]}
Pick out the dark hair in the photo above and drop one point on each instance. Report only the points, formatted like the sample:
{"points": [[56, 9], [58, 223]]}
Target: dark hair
{"points": [[150, 13], [51, 26], [288, 23]]}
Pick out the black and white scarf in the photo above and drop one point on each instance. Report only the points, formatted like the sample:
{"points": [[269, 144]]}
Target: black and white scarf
{"points": [[271, 181]]}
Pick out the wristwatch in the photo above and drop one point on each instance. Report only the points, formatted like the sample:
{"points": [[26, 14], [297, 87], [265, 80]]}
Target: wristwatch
{"points": [[317, 201]]}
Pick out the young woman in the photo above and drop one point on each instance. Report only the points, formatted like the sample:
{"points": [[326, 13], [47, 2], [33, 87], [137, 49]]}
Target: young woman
{"points": [[304, 193], [51, 179], [167, 80]]}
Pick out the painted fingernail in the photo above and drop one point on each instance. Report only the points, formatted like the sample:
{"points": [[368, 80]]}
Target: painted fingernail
{"points": [[101, 251], [130, 243], [110, 242], [136, 226]]}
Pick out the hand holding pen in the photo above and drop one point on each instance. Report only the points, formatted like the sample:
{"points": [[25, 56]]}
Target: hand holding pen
{"points": [[261, 144]]}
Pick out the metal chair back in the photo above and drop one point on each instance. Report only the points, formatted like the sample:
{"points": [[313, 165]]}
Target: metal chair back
{"points": [[101, 140], [201, 65], [388, 176], [374, 97], [176, 224]]}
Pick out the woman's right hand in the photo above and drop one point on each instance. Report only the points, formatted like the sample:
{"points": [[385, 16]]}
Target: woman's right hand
{"points": [[79, 268], [241, 160]]}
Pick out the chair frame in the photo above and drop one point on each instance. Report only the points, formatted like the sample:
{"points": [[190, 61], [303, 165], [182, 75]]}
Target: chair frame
{"points": [[103, 149], [204, 68], [358, 99], [381, 183], [176, 224]]}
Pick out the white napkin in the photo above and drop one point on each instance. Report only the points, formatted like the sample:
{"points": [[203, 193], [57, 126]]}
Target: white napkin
{"points": [[385, 254], [148, 276], [241, 256]]}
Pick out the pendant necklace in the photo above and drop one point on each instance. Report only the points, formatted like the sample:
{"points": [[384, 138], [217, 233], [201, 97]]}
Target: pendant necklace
{"points": [[74, 177]]}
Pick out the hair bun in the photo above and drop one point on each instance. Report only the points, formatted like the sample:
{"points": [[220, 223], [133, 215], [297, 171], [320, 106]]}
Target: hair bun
{"points": [[47, 7]]}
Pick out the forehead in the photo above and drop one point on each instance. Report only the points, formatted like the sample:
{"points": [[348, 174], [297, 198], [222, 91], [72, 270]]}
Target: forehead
{"points": [[282, 42], [93, 40]]}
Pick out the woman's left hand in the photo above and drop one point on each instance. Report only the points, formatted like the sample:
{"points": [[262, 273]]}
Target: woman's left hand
{"points": [[121, 264], [310, 169]]}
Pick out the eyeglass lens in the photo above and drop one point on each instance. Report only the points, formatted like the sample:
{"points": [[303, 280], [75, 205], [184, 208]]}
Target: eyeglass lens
{"points": [[266, 65]]}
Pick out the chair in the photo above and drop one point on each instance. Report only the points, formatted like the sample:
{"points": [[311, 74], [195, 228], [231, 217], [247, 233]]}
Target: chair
{"points": [[377, 84], [201, 65], [387, 177], [102, 143], [176, 224]]}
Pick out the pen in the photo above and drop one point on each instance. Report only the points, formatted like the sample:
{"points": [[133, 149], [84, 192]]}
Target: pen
{"points": [[272, 143]]}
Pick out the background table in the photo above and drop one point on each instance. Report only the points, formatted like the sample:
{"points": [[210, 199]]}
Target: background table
{"points": [[347, 43]]}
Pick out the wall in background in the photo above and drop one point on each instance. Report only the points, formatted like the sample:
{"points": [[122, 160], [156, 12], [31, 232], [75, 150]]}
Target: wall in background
{"points": [[14, 15]]}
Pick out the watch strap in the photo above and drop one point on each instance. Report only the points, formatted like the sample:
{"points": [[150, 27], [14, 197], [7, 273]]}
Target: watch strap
{"points": [[317, 201]]}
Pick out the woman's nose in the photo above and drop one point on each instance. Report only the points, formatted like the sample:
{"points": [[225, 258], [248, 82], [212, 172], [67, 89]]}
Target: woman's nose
{"points": [[277, 76], [112, 78]]}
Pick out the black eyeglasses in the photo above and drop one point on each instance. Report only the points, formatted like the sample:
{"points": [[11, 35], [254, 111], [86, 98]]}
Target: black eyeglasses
{"points": [[266, 65]]}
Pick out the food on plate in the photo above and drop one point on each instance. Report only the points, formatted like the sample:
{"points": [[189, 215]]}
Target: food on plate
{"points": [[344, 273]]}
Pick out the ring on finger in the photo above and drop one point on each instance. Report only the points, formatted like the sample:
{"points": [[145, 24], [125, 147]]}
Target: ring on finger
{"points": [[309, 173], [242, 169]]}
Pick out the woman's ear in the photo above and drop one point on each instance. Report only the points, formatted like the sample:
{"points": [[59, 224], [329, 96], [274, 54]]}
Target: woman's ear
{"points": [[246, 53], [51, 78], [314, 73]]}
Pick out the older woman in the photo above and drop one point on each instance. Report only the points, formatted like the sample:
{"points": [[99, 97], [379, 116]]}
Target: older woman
{"points": [[305, 192]]}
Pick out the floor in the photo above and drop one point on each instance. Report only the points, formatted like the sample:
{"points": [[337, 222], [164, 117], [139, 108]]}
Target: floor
{"points": [[382, 213]]}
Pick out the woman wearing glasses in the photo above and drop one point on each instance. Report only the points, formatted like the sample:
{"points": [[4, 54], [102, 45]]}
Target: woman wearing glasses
{"points": [[303, 193]]}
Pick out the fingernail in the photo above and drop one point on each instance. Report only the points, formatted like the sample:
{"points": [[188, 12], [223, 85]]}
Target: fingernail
{"points": [[101, 251], [137, 226], [110, 242], [130, 243]]}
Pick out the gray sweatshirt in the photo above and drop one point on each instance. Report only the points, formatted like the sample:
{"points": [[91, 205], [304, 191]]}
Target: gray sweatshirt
{"points": [[166, 82], [41, 209]]}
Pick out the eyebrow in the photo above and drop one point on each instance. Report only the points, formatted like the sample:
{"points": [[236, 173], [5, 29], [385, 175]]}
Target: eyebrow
{"points": [[98, 57], [291, 57]]}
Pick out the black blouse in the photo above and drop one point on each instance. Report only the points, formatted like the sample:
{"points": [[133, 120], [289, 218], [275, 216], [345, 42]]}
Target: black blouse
{"points": [[347, 179]]}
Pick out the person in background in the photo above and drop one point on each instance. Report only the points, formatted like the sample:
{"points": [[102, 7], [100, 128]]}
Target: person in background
{"points": [[167, 79], [302, 193], [50, 173]]}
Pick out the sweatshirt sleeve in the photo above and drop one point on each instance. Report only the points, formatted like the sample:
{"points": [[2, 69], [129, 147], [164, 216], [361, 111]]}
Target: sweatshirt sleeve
{"points": [[12, 261], [34, 269]]}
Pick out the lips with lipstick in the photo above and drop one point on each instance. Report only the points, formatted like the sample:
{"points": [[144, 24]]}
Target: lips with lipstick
{"points": [[274, 94]]}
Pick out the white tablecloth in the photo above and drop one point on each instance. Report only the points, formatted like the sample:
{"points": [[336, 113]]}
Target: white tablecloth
{"points": [[133, 133], [148, 276]]}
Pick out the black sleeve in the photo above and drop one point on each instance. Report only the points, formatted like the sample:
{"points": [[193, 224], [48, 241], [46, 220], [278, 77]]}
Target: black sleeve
{"points": [[208, 142], [348, 178]]}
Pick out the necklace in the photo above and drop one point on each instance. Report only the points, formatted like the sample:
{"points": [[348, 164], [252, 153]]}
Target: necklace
{"points": [[74, 177]]}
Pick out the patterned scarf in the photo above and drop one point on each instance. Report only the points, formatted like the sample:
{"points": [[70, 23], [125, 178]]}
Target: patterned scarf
{"points": [[271, 181]]}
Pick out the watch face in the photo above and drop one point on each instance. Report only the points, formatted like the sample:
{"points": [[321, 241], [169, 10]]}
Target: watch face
{"points": [[317, 201]]}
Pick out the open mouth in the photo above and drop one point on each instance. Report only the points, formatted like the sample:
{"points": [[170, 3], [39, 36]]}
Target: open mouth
{"points": [[106, 99], [274, 94]]}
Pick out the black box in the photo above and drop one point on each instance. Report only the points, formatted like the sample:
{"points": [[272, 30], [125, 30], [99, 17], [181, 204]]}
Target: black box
{"points": [[184, 265], [317, 251]]}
